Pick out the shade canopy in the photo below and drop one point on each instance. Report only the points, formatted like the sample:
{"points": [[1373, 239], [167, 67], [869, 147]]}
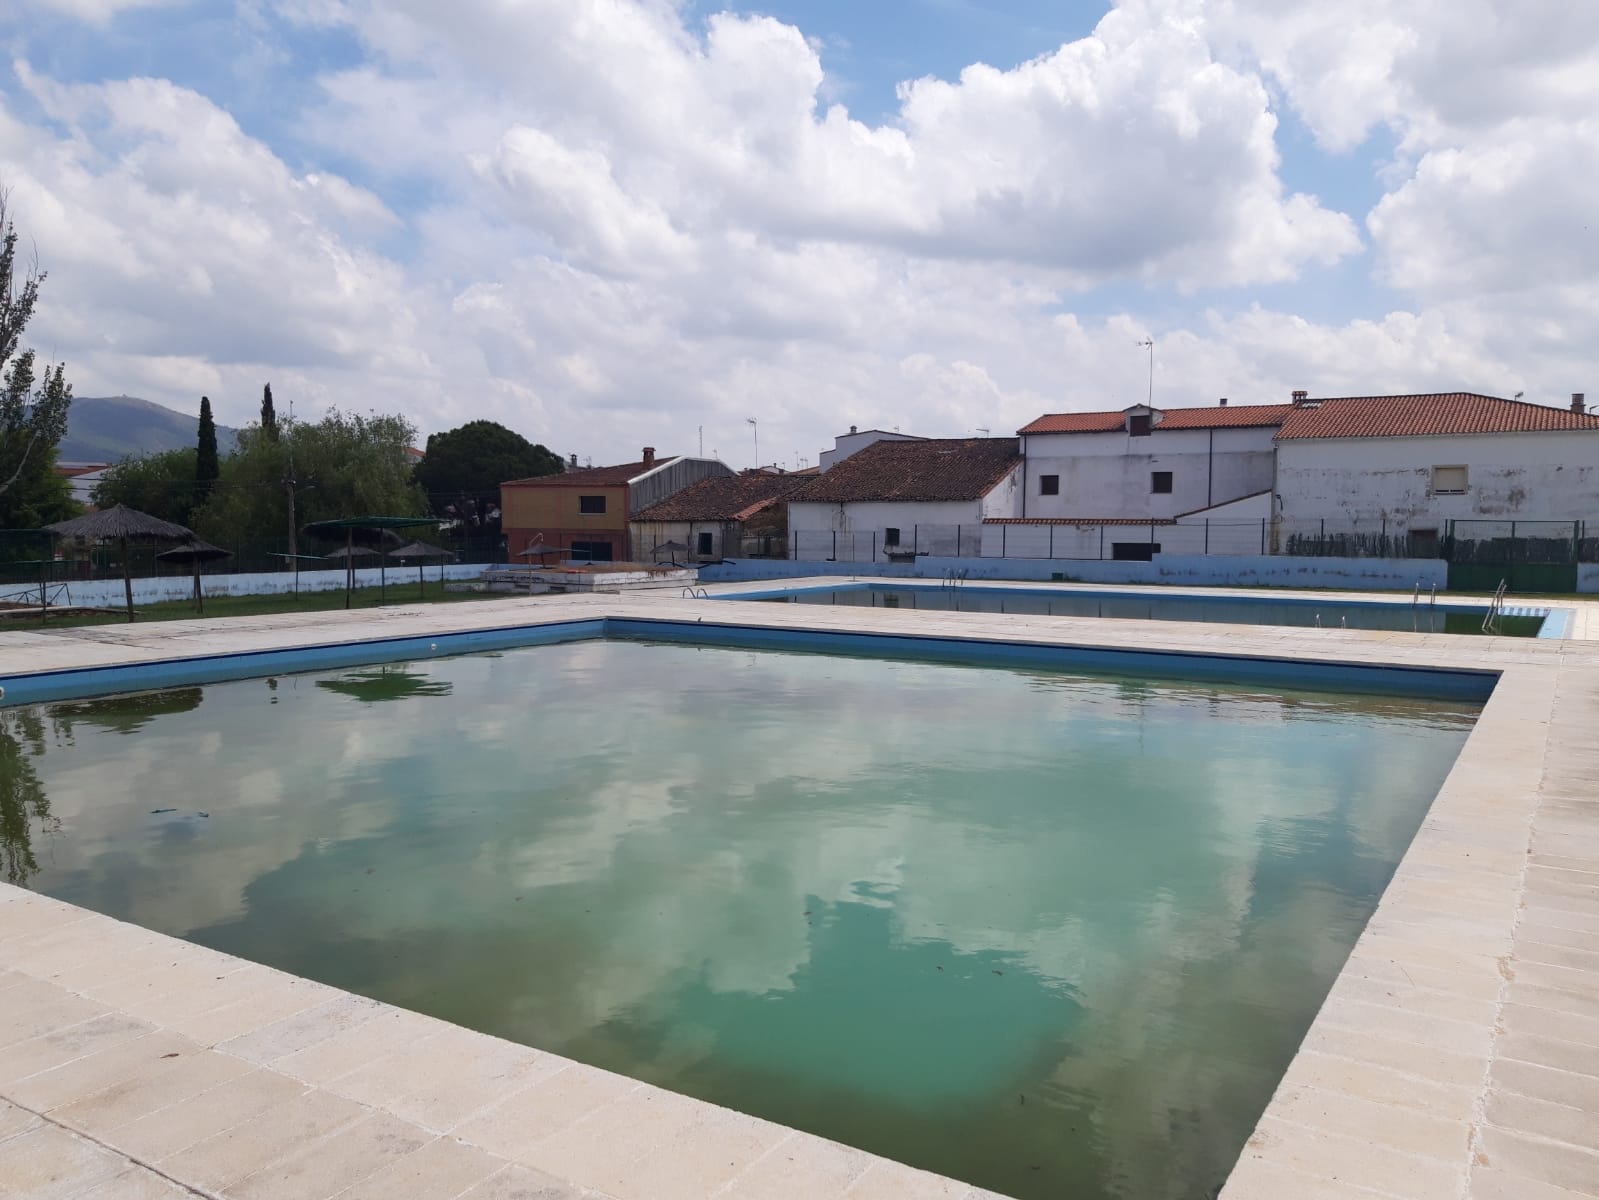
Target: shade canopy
{"points": [[673, 548], [538, 550], [120, 521], [421, 550], [347, 552], [331, 528], [194, 551]]}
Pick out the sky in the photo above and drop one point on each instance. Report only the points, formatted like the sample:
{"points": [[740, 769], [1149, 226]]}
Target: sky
{"points": [[609, 224]]}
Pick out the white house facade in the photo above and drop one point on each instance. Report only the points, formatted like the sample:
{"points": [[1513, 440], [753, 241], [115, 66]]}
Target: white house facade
{"points": [[1146, 463], [856, 440]]}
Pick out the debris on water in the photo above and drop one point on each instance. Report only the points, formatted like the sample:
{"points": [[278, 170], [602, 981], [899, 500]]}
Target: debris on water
{"points": [[938, 968], [999, 972], [369, 870], [1021, 1098], [201, 814], [155, 812]]}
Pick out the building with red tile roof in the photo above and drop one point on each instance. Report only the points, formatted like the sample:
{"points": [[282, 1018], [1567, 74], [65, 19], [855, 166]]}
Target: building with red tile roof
{"points": [[728, 516]]}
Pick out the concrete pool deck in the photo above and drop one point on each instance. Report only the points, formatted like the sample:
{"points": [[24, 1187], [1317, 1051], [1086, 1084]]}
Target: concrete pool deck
{"points": [[1457, 1054]]}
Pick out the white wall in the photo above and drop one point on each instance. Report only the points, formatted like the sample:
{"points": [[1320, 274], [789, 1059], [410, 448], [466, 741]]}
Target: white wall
{"points": [[1519, 476], [107, 593], [1004, 499], [811, 527], [1108, 474]]}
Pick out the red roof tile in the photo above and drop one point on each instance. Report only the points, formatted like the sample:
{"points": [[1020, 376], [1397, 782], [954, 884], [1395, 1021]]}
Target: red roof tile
{"points": [[592, 476], [724, 498], [935, 469], [1433, 415], [1224, 416]]}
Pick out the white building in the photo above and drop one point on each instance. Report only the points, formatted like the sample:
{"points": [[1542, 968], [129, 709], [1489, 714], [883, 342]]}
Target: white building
{"points": [[856, 440], [1145, 463], [1410, 465], [898, 498]]}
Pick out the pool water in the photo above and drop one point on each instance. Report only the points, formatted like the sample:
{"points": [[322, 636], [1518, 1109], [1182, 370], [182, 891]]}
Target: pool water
{"points": [[1420, 618], [1053, 934]]}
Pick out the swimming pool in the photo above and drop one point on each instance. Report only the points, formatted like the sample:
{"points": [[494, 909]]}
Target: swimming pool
{"points": [[1425, 617], [1050, 931]]}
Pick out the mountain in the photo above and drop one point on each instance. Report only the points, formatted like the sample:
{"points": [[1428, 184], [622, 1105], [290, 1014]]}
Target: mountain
{"points": [[107, 428]]}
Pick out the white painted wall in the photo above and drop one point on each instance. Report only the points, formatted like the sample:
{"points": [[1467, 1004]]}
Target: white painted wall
{"points": [[107, 593], [847, 444], [1108, 474], [812, 526], [1517, 476]]}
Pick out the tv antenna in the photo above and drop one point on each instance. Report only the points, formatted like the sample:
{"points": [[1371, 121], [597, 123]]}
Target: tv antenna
{"points": [[756, 430], [1149, 344]]}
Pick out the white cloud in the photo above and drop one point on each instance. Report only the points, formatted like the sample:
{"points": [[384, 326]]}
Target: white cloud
{"points": [[97, 12]]}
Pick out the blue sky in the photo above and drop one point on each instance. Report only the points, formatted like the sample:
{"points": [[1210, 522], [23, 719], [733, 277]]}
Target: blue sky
{"points": [[612, 222]]}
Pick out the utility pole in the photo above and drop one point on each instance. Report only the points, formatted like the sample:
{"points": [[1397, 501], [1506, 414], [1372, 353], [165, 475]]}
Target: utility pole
{"points": [[702, 441], [1149, 344], [288, 442], [756, 430]]}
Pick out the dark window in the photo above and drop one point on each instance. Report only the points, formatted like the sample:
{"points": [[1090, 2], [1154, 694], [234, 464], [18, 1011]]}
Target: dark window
{"points": [[891, 536], [705, 544], [1138, 425], [591, 504], [1049, 485], [1160, 482], [1423, 543], [590, 551], [1134, 551]]}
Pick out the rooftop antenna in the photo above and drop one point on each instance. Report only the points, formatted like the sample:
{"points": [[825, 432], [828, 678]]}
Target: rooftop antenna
{"points": [[982, 430], [756, 430], [1518, 395], [702, 441], [1149, 344]]}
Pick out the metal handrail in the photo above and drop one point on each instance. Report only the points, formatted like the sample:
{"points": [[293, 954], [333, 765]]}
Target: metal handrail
{"points": [[1495, 606]]}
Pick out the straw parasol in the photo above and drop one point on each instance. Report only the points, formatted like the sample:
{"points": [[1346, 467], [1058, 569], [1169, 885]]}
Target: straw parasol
{"points": [[373, 528], [672, 548], [422, 552], [538, 550], [195, 552], [122, 524]]}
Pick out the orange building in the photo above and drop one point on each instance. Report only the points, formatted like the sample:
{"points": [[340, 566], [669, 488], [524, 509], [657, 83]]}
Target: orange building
{"points": [[585, 512]]}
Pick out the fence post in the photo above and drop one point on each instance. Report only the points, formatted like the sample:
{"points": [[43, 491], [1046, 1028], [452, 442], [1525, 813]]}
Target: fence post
{"points": [[957, 540], [1004, 541], [1382, 545], [1101, 543], [1321, 542], [874, 545], [1263, 537], [1207, 535], [1051, 541], [794, 554], [835, 547], [916, 540]]}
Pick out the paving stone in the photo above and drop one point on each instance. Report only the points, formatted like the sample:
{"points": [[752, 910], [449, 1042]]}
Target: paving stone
{"points": [[48, 1163], [336, 1162], [179, 1126], [62, 1046], [160, 1082], [1541, 1161], [225, 1158], [440, 1170], [522, 1183], [515, 1125], [799, 1168]]}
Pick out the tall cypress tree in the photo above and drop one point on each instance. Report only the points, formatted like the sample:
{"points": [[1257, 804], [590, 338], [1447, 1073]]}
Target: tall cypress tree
{"points": [[269, 416], [207, 468]]}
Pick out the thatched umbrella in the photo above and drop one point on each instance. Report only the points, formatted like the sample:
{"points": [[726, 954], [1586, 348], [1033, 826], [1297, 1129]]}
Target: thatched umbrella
{"points": [[195, 552], [538, 550], [422, 551], [124, 525], [379, 529]]}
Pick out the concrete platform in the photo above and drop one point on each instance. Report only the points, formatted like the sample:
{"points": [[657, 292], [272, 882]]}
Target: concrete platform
{"points": [[1456, 1056]]}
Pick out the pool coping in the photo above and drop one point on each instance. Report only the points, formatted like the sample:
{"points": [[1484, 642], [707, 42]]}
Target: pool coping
{"points": [[1464, 995]]}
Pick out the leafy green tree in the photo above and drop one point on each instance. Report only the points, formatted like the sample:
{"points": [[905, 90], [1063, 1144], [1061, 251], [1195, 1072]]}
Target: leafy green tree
{"points": [[345, 465], [269, 416], [207, 467], [465, 466], [33, 407], [159, 484]]}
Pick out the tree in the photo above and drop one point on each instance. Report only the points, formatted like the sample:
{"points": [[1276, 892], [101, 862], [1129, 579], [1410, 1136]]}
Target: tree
{"points": [[464, 468], [344, 466], [207, 468], [269, 416], [33, 409], [159, 484]]}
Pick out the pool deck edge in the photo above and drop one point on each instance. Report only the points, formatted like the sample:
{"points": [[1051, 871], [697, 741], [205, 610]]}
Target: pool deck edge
{"points": [[1457, 1053]]}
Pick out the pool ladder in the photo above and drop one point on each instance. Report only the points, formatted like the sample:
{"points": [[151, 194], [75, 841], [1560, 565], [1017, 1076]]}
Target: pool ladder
{"points": [[953, 578], [1432, 596], [1495, 607], [694, 593]]}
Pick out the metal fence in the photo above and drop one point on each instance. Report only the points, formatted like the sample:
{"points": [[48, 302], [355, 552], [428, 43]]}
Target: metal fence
{"points": [[1487, 542]]}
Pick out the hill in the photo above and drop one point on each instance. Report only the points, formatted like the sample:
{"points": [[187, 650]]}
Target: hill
{"points": [[107, 428]]}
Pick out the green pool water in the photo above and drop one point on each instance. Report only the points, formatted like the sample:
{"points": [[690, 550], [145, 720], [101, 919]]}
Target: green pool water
{"points": [[1053, 934]]}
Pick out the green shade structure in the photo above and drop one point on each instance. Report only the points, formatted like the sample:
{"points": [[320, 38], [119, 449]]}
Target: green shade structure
{"points": [[379, 528], [195, 552], [122, 524], [423, 552]]}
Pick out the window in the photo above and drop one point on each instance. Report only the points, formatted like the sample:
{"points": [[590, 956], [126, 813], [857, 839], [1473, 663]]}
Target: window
{"points": [[1160, 483], [1134, 551], [591, 551], [705, 545], [891, 536], [591, 504], [1423, 543], [1049, 485], [1449, 481], [1138, 425]]}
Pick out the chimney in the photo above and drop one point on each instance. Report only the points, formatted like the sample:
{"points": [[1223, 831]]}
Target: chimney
{"points": [[1223, 402], [649, 457], [1578, 404], [572, 463], [1300, 397], [852, 429]]}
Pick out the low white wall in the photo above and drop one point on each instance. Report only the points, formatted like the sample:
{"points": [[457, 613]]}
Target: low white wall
{"points": [[107, 593], [1588, 577], [1196, 570]]}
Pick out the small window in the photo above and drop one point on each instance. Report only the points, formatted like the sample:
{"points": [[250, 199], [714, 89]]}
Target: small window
{"points": [[1449, 481], [591, 504], [1160, 483], [1423, 543], [705, 545], [1049, 485], [1134, 551], [1138, 425], [891, 536]]}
